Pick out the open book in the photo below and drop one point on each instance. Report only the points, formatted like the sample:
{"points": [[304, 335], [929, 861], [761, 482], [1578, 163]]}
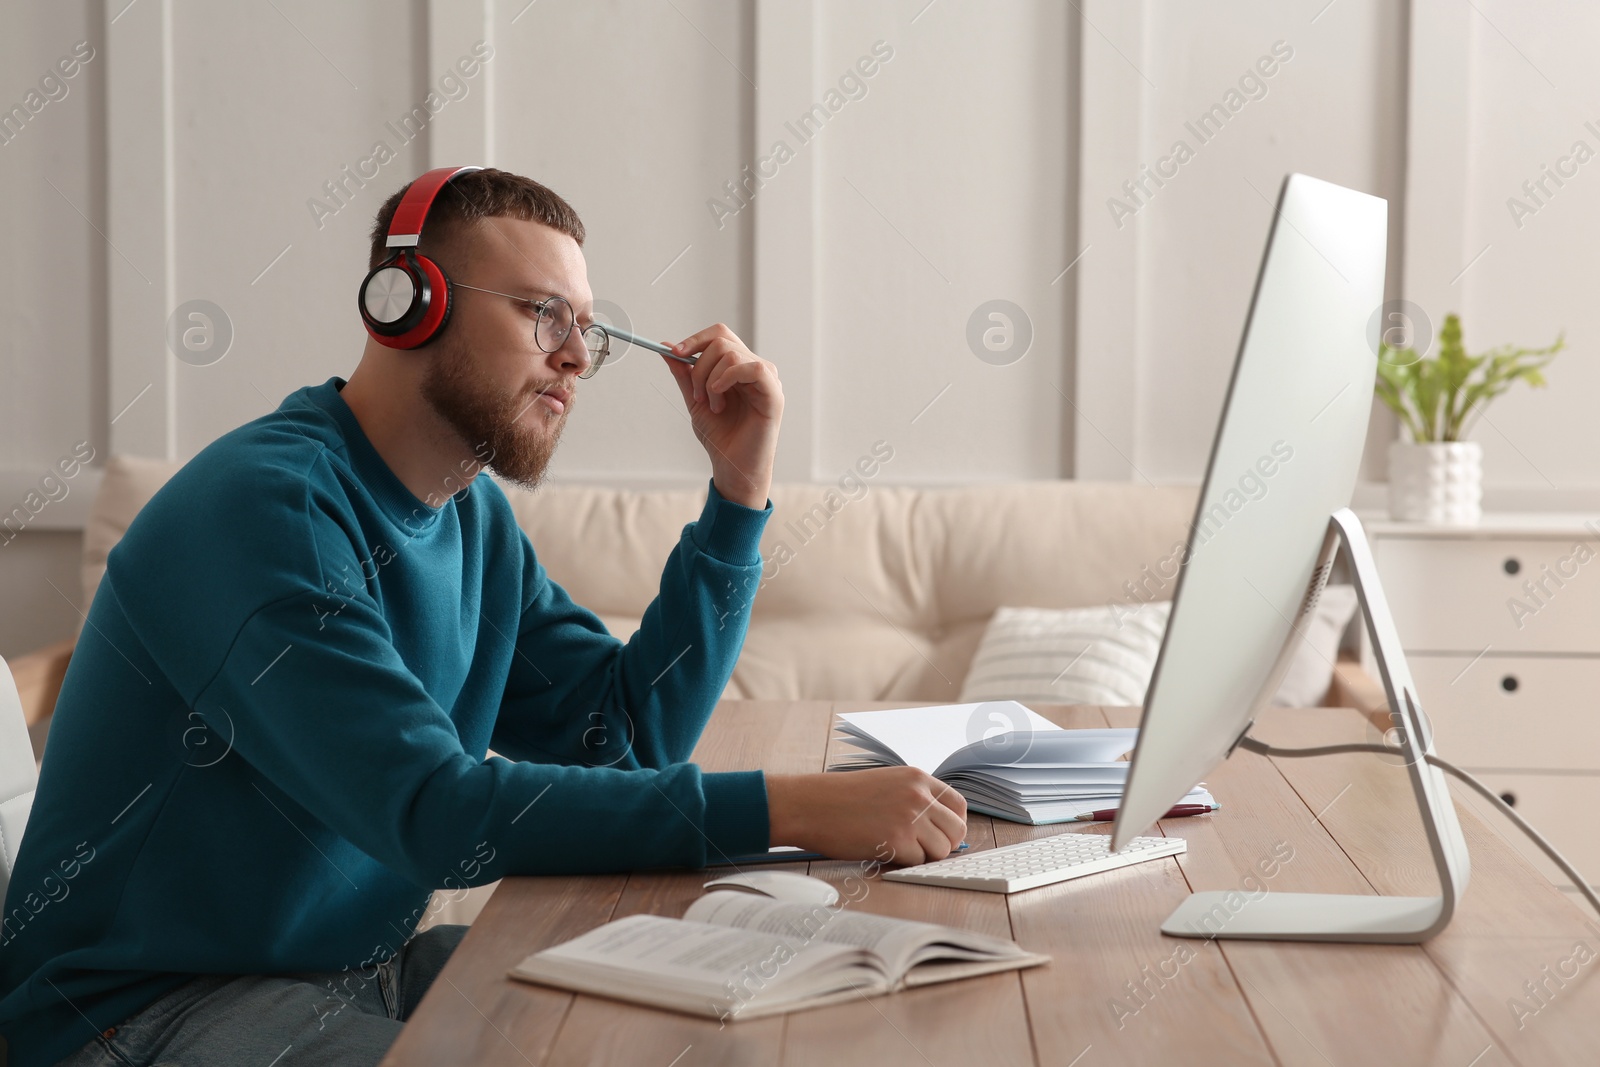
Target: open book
{"points": [[1005, 759], [736, 955]]}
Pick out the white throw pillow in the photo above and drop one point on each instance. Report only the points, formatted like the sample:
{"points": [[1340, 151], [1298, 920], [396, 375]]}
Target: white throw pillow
{"points": [[1105, 655], [1101, 655]]}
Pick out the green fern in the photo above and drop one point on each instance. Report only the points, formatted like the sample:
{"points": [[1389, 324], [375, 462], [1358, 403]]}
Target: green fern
{"points": [[1439, 398]]}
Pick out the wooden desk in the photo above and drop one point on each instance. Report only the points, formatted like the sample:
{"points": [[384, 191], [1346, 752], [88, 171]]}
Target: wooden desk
{"points": [[1447, 1002]]}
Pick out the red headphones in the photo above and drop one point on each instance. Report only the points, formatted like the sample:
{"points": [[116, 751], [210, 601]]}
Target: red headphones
{"points": [[405, 300]]}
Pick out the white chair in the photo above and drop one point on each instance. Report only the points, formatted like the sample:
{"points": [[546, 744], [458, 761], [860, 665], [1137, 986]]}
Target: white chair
{"points": [[19, 775]]}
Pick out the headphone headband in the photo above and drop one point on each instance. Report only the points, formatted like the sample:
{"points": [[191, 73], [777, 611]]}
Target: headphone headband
{"points": [[405, 300], [405, 229]]}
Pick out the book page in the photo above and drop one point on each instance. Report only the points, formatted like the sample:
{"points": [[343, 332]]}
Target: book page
{"points": [[896, 941], [676, 950], [925, 737], [1066, 750]]}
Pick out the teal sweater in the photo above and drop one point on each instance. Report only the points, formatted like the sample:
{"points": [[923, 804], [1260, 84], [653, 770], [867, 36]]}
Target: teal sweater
{"points": [[270, 745]]}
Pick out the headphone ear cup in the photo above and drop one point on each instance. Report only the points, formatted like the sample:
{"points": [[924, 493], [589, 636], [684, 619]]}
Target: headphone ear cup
{"points": [[392, 298], [440, 305], [428, 311]]}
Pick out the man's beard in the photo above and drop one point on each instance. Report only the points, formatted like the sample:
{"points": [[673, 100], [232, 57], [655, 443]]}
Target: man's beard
{"points": [[487, 418]]}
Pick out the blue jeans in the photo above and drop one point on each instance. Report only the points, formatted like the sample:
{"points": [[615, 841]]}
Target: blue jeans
{"points": [[286, 1020]]}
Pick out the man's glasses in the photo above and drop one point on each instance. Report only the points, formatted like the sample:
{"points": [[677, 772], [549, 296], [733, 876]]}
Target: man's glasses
{"points": [[553, 322]]}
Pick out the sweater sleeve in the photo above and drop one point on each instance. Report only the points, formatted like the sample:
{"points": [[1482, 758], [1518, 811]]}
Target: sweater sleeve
{"points": [[577, 695], [323, 709]]}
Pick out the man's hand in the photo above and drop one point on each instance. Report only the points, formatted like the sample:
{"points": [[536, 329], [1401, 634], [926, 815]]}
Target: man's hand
{"points": [[851, 815], [735, 403]]}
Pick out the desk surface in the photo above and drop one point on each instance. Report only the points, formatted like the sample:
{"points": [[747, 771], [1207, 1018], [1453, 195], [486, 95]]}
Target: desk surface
{"points": [[1117, 991]]}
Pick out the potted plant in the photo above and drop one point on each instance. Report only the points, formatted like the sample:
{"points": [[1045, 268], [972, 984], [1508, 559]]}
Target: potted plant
{"points": [[1436, 476]]}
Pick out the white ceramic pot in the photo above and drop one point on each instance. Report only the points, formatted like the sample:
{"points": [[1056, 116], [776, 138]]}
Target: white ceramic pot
{"points": [[1436, 482]]}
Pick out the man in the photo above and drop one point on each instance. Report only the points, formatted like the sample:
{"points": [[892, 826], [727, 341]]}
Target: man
{"points": [[270, 744]]}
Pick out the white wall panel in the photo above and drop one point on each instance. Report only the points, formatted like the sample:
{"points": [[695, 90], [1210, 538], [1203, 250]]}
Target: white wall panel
{"points": [[944, 186], [1534, 96], [271, 103], [1195, 237], [52, 214]]}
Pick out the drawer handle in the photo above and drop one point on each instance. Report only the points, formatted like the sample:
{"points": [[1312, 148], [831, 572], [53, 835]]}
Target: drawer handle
{"points": [[1511, 565], [1510, 799], [1509, 683]]}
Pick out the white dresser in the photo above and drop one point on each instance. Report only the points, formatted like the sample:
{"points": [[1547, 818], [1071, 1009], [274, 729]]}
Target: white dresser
{"points": [[1500, 623]]}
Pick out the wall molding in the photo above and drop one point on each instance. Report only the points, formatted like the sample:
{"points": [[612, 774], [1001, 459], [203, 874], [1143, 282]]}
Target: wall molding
{"points": [[1111, 123], [785, 253], [463, 133], [1438, 128], [140, 224]]}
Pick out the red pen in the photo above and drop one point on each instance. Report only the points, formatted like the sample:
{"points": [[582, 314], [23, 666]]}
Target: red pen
{"points": [[1108, 814]]}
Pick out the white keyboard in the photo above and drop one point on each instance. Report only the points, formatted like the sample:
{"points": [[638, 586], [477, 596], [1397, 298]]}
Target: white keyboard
{"points": [[1039, 862]]}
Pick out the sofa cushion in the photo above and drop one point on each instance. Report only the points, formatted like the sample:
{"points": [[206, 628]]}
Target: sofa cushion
{"points": [[1058, 544], [128, 483], [612, 543], [1305, 684]]}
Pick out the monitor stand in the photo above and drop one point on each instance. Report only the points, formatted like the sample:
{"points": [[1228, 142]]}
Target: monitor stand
{"points": [[1339, 917]]}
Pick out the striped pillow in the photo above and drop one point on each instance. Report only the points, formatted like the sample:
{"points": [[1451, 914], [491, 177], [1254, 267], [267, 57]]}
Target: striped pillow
{"points": [[1101, 655]]}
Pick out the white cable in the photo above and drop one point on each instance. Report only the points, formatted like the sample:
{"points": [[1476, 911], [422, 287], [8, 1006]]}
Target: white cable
{"points": [[1582, 884]]}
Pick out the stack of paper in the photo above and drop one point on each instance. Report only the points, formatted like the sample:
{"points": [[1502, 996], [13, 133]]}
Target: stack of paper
{"points": [[1034, 772]]}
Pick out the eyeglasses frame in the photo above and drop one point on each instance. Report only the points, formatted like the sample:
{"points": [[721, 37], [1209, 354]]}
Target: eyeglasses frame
{"points": [[595, 360]]}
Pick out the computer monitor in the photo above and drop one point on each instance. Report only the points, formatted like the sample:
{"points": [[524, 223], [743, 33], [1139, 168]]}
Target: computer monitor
{"points": [[1272, 511]]}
